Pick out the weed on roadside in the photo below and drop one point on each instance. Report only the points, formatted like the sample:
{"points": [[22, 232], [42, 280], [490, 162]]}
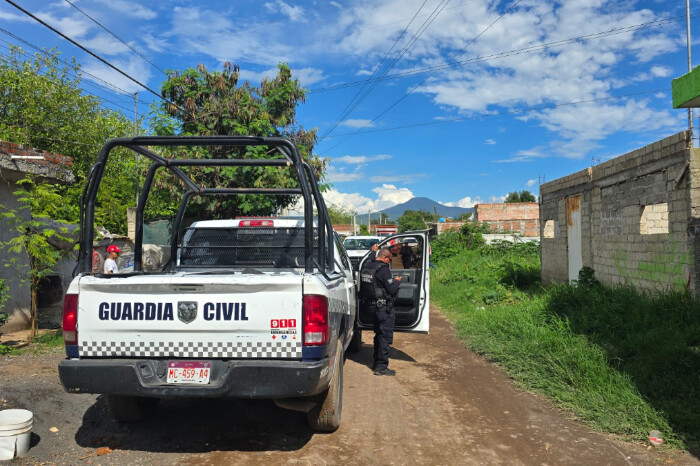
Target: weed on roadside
{"points": [[623, 361]]}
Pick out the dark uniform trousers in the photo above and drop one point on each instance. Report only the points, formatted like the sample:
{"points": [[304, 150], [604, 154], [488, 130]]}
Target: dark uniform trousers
{"points": [[384, 317]]}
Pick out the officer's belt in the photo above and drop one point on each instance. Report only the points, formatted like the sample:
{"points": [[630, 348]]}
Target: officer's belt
{"points": [[379, 301]]}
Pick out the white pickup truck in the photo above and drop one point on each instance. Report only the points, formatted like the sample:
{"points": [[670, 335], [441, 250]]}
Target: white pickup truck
{"points": [[245, 308]]}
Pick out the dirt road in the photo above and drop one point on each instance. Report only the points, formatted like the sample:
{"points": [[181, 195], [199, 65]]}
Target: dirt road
{"points": [[445, 406]]}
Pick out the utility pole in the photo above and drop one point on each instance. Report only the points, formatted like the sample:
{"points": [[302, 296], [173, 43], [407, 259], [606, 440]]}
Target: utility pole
{"points": [[690, 66], [136, 157]]}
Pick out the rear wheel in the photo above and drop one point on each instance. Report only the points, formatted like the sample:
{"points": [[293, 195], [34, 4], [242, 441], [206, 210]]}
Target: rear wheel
{"points": [[325, 415], [356, 341], [131, 408]]}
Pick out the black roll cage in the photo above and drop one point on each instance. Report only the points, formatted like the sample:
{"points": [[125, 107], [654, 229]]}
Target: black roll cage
{"points": [[307, 182]]}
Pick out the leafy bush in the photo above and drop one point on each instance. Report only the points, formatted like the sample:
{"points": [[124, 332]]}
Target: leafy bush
{"points": [[472, 234], [445, 245]]}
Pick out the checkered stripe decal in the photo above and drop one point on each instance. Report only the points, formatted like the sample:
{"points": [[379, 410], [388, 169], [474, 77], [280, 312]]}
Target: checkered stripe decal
{"points": [[228, 349], [337, 305]]}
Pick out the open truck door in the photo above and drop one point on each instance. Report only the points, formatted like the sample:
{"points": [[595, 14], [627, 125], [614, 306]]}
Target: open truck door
{"points": [[413, 299]]}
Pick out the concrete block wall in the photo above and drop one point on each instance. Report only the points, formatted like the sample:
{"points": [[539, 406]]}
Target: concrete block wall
{"points": [[636, 210]]}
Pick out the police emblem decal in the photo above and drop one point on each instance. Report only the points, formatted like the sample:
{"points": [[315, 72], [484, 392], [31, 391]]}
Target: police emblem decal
{"points": [[186, 311]]}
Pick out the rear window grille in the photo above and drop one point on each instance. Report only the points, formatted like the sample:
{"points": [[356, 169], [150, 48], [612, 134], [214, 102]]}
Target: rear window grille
{"points": [[230, 247]]}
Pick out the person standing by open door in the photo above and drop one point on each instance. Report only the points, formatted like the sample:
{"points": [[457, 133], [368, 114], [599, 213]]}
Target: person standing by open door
{"points": [[379, 288]]}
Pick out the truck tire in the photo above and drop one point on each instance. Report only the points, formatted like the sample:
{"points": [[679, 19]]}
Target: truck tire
{"points": [[356, 341], [325, 415], [130, 408]]}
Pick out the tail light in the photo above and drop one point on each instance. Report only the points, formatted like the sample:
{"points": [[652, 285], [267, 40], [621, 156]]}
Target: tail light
{"points": [[315, 320], [70, 319], [256, 223]]}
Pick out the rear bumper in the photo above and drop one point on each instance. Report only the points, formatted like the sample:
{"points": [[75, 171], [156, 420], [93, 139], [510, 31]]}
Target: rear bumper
{"points": [[234, 378]]}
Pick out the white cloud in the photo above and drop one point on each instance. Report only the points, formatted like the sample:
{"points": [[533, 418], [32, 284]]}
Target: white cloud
{"points": [[155, 44], [337, 5], [580, 70], [212, 33], [490, 142], [390, 195], [660, 71], [130, 9], [334, 175], [134, 66], [308, 76], [387, 196], [530, 183], [74, 26], [361, 159], [465, 202], [357, 123], [5, 16], [294, 13], [528, 155], [104, 44]]}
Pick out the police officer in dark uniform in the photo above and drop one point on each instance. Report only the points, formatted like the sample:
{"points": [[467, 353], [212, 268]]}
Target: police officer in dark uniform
{"points": [[407, 255], [378, 290]]}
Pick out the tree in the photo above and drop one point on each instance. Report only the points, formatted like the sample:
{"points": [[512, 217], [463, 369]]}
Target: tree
{"points": [[522, 196], [413, 220], [216, 103], [43, 106], [364, 230], [465, 216], [37, 238], [339, 215]]}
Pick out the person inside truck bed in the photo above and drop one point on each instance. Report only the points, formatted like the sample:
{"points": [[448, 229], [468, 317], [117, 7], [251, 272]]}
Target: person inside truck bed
{"points": [[111, 261]]}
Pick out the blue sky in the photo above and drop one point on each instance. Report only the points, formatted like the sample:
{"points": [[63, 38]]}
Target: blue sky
{"points": [[475, 98]]}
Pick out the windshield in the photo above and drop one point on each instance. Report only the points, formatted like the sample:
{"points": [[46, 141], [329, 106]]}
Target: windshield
{"points": [[358, 244]]}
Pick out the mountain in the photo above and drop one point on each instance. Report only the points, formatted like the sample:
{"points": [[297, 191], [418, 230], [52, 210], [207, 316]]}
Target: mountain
{"points": [[423, 203]]}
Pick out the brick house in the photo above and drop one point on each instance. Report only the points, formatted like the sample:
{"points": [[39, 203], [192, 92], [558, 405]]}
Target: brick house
{"points": [[634, 219], [16, 162], [522, 217]]}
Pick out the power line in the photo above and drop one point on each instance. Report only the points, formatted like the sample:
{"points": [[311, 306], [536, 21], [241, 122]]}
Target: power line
{"points": [[92, 54], [430, 75], [509, 53], [434, 14], [11, 58], [506, 112], [381, 62], [116, 37], [107, 85]]}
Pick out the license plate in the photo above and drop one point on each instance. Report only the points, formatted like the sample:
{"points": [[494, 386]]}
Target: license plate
{"points": [[189, 371]]}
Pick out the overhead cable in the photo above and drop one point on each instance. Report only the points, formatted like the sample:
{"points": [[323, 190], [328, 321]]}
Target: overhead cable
{"points": [[509, 53], [480, 116], [83, 48], [400, 99], [441, 6], [115, 36], [377, 68]]}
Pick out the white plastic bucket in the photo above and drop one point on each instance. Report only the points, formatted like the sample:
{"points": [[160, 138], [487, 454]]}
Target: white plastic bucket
{"points": [[15, 433]]}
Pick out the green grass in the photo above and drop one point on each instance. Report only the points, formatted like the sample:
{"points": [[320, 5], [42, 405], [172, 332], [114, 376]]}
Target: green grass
{"points": [[624, 362], [47, 341]]}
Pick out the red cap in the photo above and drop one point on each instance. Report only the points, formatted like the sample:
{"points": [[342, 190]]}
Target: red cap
{"points": [[113, 248]]}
